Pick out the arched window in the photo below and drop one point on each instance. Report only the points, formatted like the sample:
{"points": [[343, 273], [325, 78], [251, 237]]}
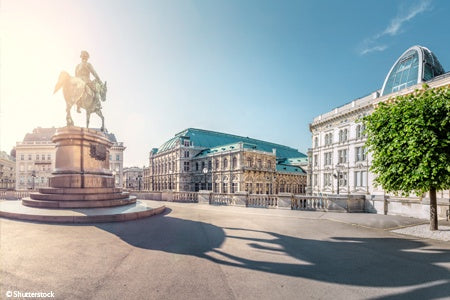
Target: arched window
{"points": [[234, 163], [225, 163], [249, 162]]}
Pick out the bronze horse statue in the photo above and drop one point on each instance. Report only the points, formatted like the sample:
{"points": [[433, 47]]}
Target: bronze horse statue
{"points": [[74, 90]]}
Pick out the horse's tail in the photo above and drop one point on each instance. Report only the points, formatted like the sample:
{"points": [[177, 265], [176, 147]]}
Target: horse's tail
{"points": [[63, 77]]}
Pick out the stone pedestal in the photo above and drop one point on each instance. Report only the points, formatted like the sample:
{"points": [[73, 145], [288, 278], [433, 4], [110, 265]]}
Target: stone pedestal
{"points": [[81, 178]]}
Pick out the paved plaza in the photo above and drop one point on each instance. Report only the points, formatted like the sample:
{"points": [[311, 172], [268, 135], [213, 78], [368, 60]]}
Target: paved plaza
{"points": [[197, 251]]}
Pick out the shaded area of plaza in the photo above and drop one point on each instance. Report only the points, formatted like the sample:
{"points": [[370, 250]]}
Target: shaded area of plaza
{"points": [[223, 252]]}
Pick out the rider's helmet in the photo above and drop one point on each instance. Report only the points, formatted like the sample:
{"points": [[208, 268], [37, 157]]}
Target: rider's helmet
{"points": [[84, 54]]}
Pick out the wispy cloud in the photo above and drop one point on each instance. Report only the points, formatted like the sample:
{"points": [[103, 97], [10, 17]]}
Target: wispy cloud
{"points": [[371, 44], [373, 49]]}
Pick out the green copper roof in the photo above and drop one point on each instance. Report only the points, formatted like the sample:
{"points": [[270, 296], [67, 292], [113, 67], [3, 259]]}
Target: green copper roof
{"points": [[211, 139], [290, 169], [224, 148]]}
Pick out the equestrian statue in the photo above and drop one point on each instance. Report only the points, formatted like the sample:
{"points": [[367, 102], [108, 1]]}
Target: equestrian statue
{"points": [[83, 92]]}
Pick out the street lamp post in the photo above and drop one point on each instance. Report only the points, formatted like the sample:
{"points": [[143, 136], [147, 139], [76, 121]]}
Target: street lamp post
{"points": [[338, 176], [205, 171]]}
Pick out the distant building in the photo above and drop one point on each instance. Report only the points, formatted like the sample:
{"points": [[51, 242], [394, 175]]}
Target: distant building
{"points": [[116, 159], [35, 159], [338, 161], [133, 178], [7, 171], [197, 159]]}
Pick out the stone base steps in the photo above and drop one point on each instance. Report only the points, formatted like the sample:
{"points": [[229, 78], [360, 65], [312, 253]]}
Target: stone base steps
{"points": [[140, 209], [77, 203]]}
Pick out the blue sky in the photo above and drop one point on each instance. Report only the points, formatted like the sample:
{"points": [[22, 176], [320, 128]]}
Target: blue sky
{"points": [[262, 69]]}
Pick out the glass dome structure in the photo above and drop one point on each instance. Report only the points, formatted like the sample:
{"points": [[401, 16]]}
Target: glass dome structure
{"points": [[415, 65]]}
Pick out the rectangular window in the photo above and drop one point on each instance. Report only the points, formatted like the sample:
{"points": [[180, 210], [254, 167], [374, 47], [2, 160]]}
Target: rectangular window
{"points": [[315, 180], [360, 178], [342, 156], [22, 157], [342, 178], [186, 143], [117, 156], [328, 158], [186, 153], [360, 154], [225, 187], [186, 166], [29, 156], [234, 187], [326, 179], [316, 163], [37, 156], [49, 157]]}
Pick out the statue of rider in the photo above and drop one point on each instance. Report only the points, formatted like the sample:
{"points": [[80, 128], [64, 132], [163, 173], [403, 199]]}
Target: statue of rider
{"points": [[83, 71]]}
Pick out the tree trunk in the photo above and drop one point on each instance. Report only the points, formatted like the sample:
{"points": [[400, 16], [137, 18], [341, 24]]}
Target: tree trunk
{"points": [[433, 210]]}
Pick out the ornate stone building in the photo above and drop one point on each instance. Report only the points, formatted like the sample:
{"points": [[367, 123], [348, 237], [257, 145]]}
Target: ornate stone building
{"points": [[133, 178], [338, 162], [35, 159], [198, 159], [7, 171]]}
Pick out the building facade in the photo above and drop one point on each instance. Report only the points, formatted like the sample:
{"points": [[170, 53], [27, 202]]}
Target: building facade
{"points": [[7, 171], [133, 178], [116, 159], [198, 159], [35, 159], [338, 162]]}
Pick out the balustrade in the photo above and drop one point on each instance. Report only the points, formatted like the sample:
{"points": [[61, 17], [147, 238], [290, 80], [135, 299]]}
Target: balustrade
{"points": [[13, 195], [301, 202], [221, 199]]}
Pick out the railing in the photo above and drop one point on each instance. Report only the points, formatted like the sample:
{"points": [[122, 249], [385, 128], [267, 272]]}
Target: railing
{"points": [[13, 195], [303, 202], [185, 197], [221, 199], [262, 200]]}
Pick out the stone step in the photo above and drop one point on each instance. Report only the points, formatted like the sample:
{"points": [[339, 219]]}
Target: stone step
{"points": [[51, 190], [78, 197], [77, 204], [133, 211]]}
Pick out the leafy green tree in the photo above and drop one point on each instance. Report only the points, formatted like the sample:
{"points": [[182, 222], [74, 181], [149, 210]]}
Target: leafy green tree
{"points": [[409, 137]]}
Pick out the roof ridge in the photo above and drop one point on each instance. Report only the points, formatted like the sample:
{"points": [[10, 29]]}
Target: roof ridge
{"points": [[238, 136]]}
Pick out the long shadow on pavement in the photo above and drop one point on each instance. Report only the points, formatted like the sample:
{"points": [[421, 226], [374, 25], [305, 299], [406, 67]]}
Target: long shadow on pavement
{"points": [[370, 262]]}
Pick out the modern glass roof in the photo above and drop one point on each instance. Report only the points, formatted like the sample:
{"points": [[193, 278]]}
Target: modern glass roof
{"points": [[211, 139], [415, 65]]}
